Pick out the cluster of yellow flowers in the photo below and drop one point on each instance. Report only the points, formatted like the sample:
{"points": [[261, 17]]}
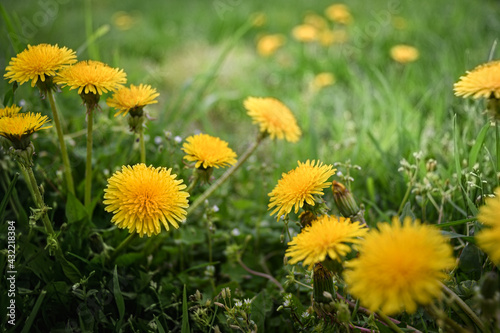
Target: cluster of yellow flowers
{"points": [[400, 264]]}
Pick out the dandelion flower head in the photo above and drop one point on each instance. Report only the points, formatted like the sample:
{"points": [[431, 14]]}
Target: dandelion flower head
{"points": [[208, 151], [299, 186], [327, 236], [489, 237], [273, 117], [482, 81], [126, 99], [18, 128], [399, 266], [10, 111], [38, 62], [305, 33], [141, 197], [91, 76]]}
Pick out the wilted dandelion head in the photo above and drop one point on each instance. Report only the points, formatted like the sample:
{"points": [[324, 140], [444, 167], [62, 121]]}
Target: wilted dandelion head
{"points": [[488, 238], [404, 53], [273, 117], [327, 236], [482, 81], [399, 266], [299, 186], [135, 97], [208, 151], [20, 126], [141, 197], [91, 76], [38, 62]]}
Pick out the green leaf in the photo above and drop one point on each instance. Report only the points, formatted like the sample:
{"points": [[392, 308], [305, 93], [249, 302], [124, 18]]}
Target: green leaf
{"points": [[470, 260], [185, 314], [261, 306], [478, 144], [120, 303], [70, 270], [75, 211], [450, 234]]}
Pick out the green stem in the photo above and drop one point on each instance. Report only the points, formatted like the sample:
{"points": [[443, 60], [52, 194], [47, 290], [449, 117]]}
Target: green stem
{"points": [[196, 177], [40, 203], [142, 144], [225, 176], [88, 166], [389, 322], [441, 316], [124, 244], [497, 137], [465, 308], [64, 153]]}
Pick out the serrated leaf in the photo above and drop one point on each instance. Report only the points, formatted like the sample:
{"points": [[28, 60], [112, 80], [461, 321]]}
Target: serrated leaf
{"points": [[261, 306]]}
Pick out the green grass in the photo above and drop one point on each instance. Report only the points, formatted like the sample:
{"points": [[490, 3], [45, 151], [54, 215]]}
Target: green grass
{"points": [[377, 114]]}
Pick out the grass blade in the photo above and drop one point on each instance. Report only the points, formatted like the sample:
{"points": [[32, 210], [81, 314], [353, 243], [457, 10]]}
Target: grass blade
{"points": [[33, 313], [120, 303], [478, 144], [3, 204], [185, 314]]}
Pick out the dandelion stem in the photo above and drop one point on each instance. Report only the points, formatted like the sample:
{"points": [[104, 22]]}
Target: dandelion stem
{"points": [[64, 152], [225, 176], [88, 166], [389, 322], [121, 247], [39, 202], [142, 144], [464, 307], [264, 275]]}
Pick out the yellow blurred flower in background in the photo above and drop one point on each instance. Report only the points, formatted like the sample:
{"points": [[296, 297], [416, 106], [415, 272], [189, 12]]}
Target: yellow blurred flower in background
{"points": [[404, 53], [322, 80], [267, 45], [339, 13], [305, 33]]}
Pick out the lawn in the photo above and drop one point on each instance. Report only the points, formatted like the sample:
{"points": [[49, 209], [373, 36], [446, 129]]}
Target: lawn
{"points": [[388, 131]]}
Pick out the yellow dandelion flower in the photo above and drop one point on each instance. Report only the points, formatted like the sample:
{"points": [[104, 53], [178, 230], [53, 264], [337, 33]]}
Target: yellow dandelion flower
{"points": [[10, 111], [482, 81], [489, 238], [208, 151], [126, 99], [273, 118], [327, 236], [339, 13], [19, 127], [267, 45], [91, 77], [38, 62], [404, 53], [399, 267], [305, 33], [141, 197], [299, 186], [322, 80]]}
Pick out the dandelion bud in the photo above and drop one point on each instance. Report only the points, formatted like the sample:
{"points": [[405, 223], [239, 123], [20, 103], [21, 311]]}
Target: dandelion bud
{"points": [[323, 284], [346, 203]]}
